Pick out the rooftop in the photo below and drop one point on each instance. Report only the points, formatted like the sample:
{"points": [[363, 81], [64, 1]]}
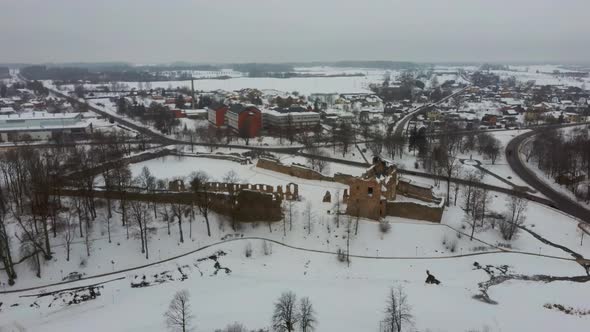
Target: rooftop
{"points": [[40, 115], [239, 108]]}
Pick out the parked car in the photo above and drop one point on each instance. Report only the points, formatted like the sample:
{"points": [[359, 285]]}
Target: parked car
{"points": [[73, 276]]}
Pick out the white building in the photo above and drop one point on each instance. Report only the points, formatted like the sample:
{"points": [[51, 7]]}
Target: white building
{"points": [[40, 125], [283, 119], [328, 98], [195, 113]]}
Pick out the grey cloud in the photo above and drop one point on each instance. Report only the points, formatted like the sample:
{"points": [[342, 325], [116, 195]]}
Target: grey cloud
{"points": [[147, 31]]}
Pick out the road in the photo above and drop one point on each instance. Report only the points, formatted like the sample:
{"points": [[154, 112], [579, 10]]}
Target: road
{"points": [[399, 126], [165, 140], [561, 201]]}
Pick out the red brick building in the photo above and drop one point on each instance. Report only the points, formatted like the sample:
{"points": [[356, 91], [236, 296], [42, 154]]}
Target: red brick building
{"points": [[246, 120], [178, 113], [216, 115]]}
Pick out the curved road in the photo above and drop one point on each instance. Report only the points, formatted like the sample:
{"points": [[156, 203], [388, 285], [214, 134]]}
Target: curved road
{"points": [[561, 201], [399, 126]]}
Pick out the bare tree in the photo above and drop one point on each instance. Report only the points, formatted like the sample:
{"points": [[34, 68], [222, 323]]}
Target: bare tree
{"points": [[307, 315], [167, 216], [141, 215], [291, 212], [69, 228], [345, 136], [398, 313], [178, 210], [231, 177], [122, 181], [527, 150], [87, 242], [316, 159], [309, 216], [376, 144], [146, 181], [348, 231], [492, 149], [209, 136], [336, 207], [285, 315], [472, 179], [514, 218], [179, 316], [5, 250], [445, 155], [290, 129], [234, 327], [203, 196]]}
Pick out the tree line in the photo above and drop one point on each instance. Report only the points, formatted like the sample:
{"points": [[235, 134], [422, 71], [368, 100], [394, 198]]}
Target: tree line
{"points": [[291, 314], [564, 157]]}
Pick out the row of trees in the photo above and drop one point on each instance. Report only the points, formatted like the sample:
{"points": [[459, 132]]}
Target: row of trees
{"points": [[476, 201], [33, 211], [31, 196], [563, 157], [291, 315], [156, 114]]}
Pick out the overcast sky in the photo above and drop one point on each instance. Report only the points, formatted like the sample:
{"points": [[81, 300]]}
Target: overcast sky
{"points": [[152, 31]]}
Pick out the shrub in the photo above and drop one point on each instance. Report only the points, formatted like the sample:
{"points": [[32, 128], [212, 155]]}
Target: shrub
{"points": [[248, 250], [341, 255], [267, 248], [235, 327], [479, 248], [453, 246], [384, 226]]}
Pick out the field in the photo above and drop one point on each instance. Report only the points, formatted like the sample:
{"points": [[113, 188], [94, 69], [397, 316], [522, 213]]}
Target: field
{"points": [[304, 261]]}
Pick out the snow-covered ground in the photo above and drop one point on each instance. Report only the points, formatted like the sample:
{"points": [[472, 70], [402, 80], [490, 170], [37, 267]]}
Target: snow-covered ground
{"points": [[542, 75], [303, 85], [346, 299], [553, 184]]}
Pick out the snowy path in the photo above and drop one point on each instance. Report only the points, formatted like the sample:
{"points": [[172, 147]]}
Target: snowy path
{"points": [[498, 251]]}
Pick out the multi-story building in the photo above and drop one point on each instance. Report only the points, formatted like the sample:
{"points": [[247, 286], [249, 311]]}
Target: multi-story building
{"points": [[246, 120], [40, 125], [216, 115], [296, 117]]}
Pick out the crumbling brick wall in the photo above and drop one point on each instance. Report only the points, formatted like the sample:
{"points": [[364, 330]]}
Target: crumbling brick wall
{"points": [[295, 170], [366, 199], [291, 191], [251, 205], [408, 189], [413, 210]]}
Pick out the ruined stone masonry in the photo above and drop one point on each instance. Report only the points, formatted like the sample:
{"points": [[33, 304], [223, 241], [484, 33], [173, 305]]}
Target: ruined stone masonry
{"points": [[373, 195], [291, 193]]}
